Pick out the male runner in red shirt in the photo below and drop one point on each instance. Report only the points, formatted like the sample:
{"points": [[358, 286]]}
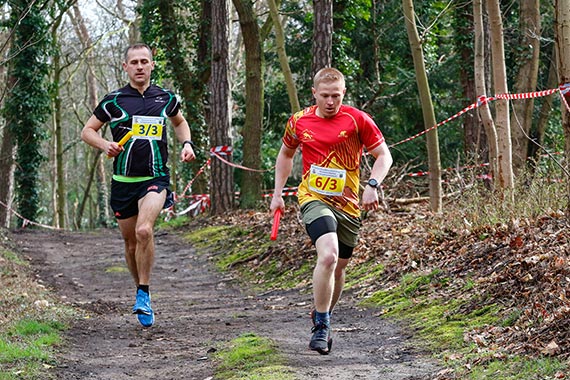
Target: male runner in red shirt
{"points": [[332, 136]]}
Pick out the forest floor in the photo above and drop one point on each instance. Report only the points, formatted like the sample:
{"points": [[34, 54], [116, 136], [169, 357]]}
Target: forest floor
{"points": [[197, 309], [518, 272]]}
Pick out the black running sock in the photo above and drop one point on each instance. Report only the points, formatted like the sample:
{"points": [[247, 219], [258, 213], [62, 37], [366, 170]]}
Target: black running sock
{"points": [[144, 288]]}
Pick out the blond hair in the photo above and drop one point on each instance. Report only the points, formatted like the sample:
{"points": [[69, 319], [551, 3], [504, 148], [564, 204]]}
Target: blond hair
{"points": [[328, 75]]}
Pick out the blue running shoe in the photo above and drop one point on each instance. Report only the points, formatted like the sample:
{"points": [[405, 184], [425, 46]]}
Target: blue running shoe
{"points": [[142, 309]]}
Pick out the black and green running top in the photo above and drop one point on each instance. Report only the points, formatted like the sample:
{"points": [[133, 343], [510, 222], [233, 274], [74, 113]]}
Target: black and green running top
{"points": [[146, 153]]}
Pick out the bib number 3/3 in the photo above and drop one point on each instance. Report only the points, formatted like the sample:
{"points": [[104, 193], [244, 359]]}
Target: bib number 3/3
{"points": [[148, 127], [327, 181]]}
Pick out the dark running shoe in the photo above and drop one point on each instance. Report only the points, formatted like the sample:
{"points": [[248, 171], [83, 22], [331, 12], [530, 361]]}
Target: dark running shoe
{"points": [[321, 340]]}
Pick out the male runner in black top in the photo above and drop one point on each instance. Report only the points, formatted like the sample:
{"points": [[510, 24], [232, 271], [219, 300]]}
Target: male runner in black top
{"points": [[140, 185]]}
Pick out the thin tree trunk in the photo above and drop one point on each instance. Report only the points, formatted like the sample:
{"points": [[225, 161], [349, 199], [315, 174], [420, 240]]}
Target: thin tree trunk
{"points": [[59, 175], [563, 47], [221, 178], [505, 177], [427, 107], [7, 165], [481, 88], [283, 59], [526, 79]]}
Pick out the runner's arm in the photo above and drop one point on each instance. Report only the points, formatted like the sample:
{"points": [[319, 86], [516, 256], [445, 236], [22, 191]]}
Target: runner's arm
{"points": [[182, 131], [382, 163], [283, 167], [90, 134]]}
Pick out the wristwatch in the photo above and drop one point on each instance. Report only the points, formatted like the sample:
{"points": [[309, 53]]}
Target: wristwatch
{"points": [[372, 183], [188, 142]]}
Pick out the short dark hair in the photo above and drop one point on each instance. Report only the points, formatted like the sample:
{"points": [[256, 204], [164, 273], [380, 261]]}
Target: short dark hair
{"points": [[135, 47]]}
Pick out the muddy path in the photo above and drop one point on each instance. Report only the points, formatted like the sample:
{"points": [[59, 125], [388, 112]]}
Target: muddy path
{"points": [[197, 309]]}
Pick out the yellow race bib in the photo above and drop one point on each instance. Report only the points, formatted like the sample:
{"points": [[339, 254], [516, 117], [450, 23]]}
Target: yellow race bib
{"points": [[327, 181], [148, 127]]}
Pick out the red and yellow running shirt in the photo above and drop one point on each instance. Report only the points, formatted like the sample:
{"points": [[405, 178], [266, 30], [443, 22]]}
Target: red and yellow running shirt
{"points": [[332, 150]]}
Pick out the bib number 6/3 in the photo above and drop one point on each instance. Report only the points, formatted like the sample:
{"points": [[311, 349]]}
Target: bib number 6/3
{"points": [[327, 181]]}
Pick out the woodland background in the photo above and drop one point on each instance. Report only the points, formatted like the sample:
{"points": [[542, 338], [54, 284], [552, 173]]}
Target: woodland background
{"points": [[242, 67]]}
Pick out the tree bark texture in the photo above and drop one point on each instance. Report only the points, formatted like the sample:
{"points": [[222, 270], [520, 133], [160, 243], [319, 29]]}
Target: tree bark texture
{"points": [[221, 177], [250, 185], [322, 34], [7, 165]]}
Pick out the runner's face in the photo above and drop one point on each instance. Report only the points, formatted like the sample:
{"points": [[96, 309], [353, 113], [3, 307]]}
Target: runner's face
{"points": [[139, 66], [329, 97]]}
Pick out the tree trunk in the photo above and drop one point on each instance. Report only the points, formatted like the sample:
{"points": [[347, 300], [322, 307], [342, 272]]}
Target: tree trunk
{"points": [[58, 172], [27, 119], [322, 34], [474, 136], [481, 88], [251, 180], [283, 59], [505, 178], [427, 107], [563, 48], [526, 79], [7, 165], [7, 154], [221, 178]]}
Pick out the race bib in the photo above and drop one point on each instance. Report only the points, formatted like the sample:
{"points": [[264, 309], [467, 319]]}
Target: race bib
{"points": [[327, 181], [148, 127]]}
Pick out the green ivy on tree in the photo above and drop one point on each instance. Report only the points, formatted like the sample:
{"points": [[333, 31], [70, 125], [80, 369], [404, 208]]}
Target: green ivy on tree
{"points": [[27, 103]]}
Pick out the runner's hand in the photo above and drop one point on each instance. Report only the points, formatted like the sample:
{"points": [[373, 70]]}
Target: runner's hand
{"points": [[369, 199], [187, 153]]}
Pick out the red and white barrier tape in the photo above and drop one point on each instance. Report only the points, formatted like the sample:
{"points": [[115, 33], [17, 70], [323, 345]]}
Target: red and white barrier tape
{"points": [[562, 89], [25, 221], [218, 156]]}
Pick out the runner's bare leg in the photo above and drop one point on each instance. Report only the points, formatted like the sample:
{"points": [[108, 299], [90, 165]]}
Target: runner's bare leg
{"points": [[323, 274], [141, 229]]}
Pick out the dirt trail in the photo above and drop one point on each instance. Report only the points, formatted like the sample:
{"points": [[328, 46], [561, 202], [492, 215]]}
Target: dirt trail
{"points": [[197, 308]]}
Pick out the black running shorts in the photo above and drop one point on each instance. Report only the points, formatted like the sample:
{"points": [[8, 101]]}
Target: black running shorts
{"points": [[125, 195]]}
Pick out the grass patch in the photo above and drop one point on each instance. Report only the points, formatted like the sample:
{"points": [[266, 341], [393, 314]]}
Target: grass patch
{"points": [[363, 272], [250, 357], [236, 247], [514, 368], [209, 236], [31, 322], [117, 269], [438, 321]]}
